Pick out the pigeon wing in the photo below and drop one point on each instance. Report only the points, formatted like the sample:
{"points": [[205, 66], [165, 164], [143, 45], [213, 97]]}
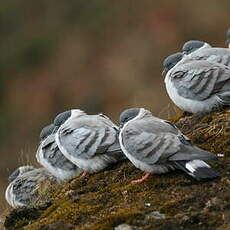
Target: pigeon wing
{"points": [[51, 153], [84, 138], [153, 145], [219, 55], [148, 145], [200, 79], [24, 191]]}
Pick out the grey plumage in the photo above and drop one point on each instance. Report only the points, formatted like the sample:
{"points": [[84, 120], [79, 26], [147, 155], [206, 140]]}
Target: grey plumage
{"points": [[219, 55], [155, 146], [198, 86], [171, 61], [197, 50], [46, 131], [50, 157], [19, 171], [89, 141], [24, 189], [61, 117], [199, 80]]}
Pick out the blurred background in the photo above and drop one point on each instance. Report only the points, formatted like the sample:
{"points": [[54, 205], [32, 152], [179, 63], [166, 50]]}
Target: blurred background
{"points": [[98, 55]]}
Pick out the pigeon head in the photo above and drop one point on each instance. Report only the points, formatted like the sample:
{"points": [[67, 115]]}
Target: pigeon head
{"points": [[193, 45], [19, 171], [46, 131], [128, 115], [61, 118], [171, 61], [13, 175], [228, 37]]}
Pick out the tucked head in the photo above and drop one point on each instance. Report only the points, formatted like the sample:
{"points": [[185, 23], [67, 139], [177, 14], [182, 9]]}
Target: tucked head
{"points": [[228, 36], [64, 116], [128, 115], [193, 45], [46, 131], [171, 61], [19, 171]]}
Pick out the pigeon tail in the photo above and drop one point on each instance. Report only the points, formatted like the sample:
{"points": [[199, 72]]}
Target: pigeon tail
{"points": [[197, 169]]}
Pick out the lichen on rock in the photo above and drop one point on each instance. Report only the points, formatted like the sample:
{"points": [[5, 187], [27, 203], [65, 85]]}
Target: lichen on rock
{"points": [[107, 199]]}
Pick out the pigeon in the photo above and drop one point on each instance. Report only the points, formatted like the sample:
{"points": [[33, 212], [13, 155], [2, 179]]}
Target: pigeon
{"points": [[212, 54], [89, 141], [157, 146], [196, 86], [19, 171], [50, 157], [24, 185], [228, 38], [194, 45]]}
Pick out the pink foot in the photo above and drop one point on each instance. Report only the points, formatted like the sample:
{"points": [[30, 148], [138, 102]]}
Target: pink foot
{"points": [[84, 174], [141, 179]]}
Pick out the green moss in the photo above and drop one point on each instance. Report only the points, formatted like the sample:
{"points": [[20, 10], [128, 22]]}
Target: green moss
{"points": [[21, 217], [107, 199]]}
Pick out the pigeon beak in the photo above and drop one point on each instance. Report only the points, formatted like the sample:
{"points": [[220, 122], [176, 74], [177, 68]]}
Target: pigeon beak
{"points": [[164, 72]]}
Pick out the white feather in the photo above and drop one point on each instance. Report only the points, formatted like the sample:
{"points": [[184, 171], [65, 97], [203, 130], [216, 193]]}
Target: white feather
{"points": [[193, 165]]}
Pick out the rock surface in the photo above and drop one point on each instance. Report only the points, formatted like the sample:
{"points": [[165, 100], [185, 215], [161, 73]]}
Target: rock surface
{"points": [[107, 200]]}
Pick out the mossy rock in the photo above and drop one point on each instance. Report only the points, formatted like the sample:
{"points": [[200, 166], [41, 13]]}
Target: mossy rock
{"points": [[106, 199], [21, 217]]}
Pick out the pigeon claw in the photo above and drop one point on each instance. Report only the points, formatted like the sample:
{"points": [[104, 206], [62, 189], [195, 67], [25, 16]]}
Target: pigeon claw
{"points": [[141, 179], [84, 174]]}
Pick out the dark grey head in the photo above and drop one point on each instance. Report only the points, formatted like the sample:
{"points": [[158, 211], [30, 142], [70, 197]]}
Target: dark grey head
{"points": [[61, 118], [13, 175], [191, 46], [171, 61], [46, 131], [19, 171], [228, 36], [128, 115]]}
